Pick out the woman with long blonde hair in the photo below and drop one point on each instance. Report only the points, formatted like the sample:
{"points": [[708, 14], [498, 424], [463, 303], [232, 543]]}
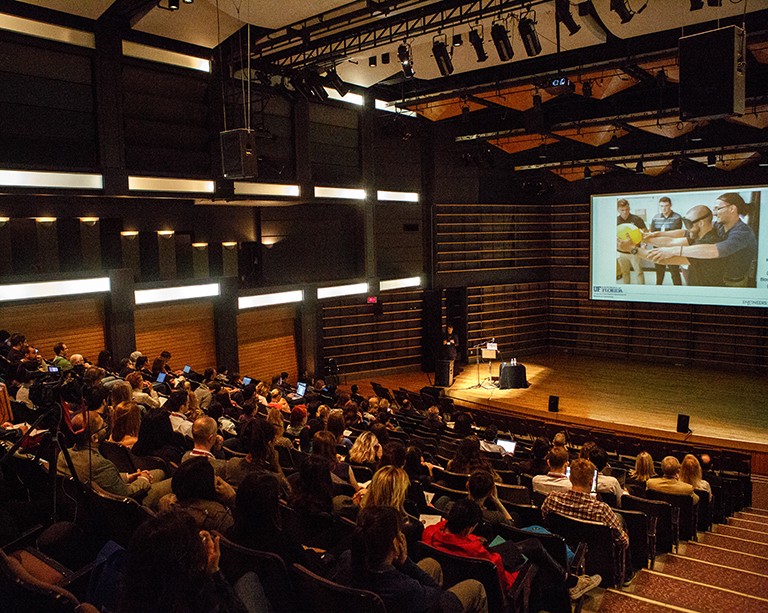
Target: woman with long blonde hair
{"points": [[643, 470], [690, 472], [126, 419], [365, 451], [388, 488]]}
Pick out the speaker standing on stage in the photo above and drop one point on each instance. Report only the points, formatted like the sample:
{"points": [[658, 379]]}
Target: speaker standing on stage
{"points": [[450, 344]]}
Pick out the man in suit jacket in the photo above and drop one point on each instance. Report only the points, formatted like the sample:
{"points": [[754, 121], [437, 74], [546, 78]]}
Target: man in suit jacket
{"points": [[90, 465], [669, 483]]}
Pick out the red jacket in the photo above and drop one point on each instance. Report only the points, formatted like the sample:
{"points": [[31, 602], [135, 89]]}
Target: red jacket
{"points": [[469, 546]]}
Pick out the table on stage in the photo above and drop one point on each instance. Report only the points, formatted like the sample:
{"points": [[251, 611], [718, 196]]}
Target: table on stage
{"points": [[512, 376]]}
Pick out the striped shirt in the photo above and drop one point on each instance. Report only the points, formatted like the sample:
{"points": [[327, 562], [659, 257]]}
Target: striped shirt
{"points": [[580, 505]]}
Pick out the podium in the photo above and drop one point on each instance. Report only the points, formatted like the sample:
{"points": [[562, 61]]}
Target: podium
{"points": [[444, 373], [512, 376]]}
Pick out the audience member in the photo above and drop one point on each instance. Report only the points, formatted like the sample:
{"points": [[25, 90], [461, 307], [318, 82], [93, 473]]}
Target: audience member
{"points": [[157, 438], [275, 417], [258, 444], [60, 360], [690, 472], [207, 443], [468, 459], [126, 421], [142, 391], [462, 424], [669, 482], [555, 480], [538, 464], [324, 444], [336, 425], [177, 406], [639, 475], [433, 420], [488, 441], [366, 451], [605, 483]]}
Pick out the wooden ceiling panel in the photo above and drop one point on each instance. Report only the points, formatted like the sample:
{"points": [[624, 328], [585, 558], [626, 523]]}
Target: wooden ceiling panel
{"points": [[668, 127], [592, 135], [756, 118], [523, 142], [731, 161], [576, 173], [519, 98], [444, 109]]}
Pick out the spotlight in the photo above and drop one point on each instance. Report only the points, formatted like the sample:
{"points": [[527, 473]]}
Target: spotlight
{"points": [[711, 160], [457, 41], [613, 145], [385, 58], [316, 85], [586, 89], [697, 4], [334, 81], [587, 173], [188, 1], [563, 13], [622, 10], [372, 61], [406, 60], [476, 40], [500, 37], [640, 167], [442, 57], [173, 5], [527, 29]]}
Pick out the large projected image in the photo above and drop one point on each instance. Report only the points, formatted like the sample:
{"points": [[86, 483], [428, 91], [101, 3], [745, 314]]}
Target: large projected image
{"points": [[691, 247]]}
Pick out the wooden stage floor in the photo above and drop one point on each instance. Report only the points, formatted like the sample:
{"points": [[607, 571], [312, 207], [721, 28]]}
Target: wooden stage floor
{"points": [[727, 409]]}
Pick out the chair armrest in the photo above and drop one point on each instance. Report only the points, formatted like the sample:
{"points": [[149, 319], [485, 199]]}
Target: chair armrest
{"points": [[579, 562], [25, 539]]}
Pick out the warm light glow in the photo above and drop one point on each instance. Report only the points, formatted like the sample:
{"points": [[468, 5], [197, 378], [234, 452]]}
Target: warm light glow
{"points": [[229, 244], [342, 290], [63, 180], [47, 31], [129, 233], [397, 196], [249, 302], [52, 289], [168, 294], [265, 189], [163, 56], [200, 245], [351, 98], [399, 283], [340, 192], [45, 220], [4, 220], [163, 184], [165, 233], [89, 221]]}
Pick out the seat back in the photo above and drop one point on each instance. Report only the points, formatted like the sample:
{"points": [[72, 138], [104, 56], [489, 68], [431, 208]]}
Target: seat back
{"points": [[513, 493], [320, 595], [120, 456], [704, 513], [666, 535], [118, 517], [21, 591], [237, 560], [687, 512], [362, 473], [529, 514], [456, 481], [313, 530], [603, 556], [442, 490], [639, 543]]}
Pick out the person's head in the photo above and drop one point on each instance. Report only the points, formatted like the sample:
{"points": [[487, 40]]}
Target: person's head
{"points": [[706, 462], [30, 353], [480, 484], [698, 221], [104, 360], [204, 432], [670, 467], [120, 392], [141, 362], [61, 349], [467, 454], [599, 458], [135, 380], [77, 359], [559, 440], [298, 416], [622, 206], [377, 528], [209, 374], [388, 487], [134, 357], [96, 398], [557, 459], [166, 355], [93, 376], [582, 474], [17, 340], [586, 449], [89, 429], [413, 460], [314, 488], [177, 401], [392, 454], [258, 503], [449, 329], [257, 438], [491, 433], [275, 417], [381, 433], [158, 366], [665, 204], [728, 208], [366, 449], [155, 432], [126, 420], [324, 444], [383, 417], [462, 424], [464, 516], [540, 448], [433, 413], [644, 468], [336, 425], [690, 471], [194, 480], [166, 569]]}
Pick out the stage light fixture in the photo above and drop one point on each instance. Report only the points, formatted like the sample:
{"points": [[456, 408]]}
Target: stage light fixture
{"points": [[697, 5], [316, 85], [621, 8], [586, 89], [500, 36], [587, 173], [476, 40], [711, 160], [442, 56], [457, 40], [527, 29], [372, 61], [188, 1], [385, 58], [406, 60], [640, 167], [563, 13], [613, 145], [334, 80]]}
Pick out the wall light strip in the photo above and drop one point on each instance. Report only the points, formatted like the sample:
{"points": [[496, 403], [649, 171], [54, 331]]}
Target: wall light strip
{"points": [[266, 189], [47, 31], [397, 196], [163, 184], [399, 283], [169, 294], [129, 233], [249, 302], [163, 56], [342, 290], [340, 192], [350, 98], [390, 107], [63, 180], [53, 289]]}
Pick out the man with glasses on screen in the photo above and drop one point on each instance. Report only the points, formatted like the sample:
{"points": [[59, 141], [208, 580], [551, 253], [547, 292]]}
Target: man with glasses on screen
{"points": [[737, 247]]}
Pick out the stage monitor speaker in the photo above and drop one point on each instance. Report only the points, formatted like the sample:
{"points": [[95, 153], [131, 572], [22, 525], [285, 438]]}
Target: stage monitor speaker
{"points": [[238, 154], [554, 404], [683, 423], [712, 73], [444, 373], [431, 390]]}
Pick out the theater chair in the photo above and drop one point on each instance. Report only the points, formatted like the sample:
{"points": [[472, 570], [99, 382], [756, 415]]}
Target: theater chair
{"points": [[688, 512], [320, 595], [663, 523]]}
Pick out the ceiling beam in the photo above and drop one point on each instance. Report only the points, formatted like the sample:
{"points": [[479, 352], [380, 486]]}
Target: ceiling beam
{"points": [[127, 13]]}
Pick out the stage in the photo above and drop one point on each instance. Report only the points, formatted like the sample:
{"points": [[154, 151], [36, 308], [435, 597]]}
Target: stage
{"points": [[727, 409]]}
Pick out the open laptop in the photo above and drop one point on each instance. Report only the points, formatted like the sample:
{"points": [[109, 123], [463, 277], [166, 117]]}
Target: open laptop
{"points": [[160, 377], [508, 446], [187, 369], [246, 381], [301, 389]]}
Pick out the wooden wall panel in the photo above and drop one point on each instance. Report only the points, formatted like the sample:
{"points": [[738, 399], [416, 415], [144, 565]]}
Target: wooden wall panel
{"points": [[267, 342], [77, 322], [185, 329]]}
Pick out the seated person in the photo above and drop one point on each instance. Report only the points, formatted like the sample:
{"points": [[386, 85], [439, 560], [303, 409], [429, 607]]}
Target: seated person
{"points": [[555, 480], [142, 391], [324, 444], [90, 465], [482, 490], [433, 420], [488, 442], [468, 459], [639, 475], [258, 444], [126, 421], [605, 483], [538, 464], [379, 562], [670, 482], [690, 472], [366, 451], [207, 443], [157, 438]]}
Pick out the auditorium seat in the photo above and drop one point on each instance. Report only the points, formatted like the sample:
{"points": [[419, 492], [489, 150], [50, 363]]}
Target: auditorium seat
{"points": [[320, 595], [687, 510], [663, 533]]}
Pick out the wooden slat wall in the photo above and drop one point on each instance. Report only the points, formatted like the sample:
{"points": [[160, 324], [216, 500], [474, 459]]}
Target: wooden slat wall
{"points": [[516, 315], [267, 342], [569, 237], [363, 337], [185, 329], [77, 322]]}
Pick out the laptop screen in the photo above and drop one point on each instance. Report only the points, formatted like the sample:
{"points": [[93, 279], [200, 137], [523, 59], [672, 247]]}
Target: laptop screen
{"points": [[301, 389], [187, 369], [161, 377], [509, 446], [246, 381]]}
